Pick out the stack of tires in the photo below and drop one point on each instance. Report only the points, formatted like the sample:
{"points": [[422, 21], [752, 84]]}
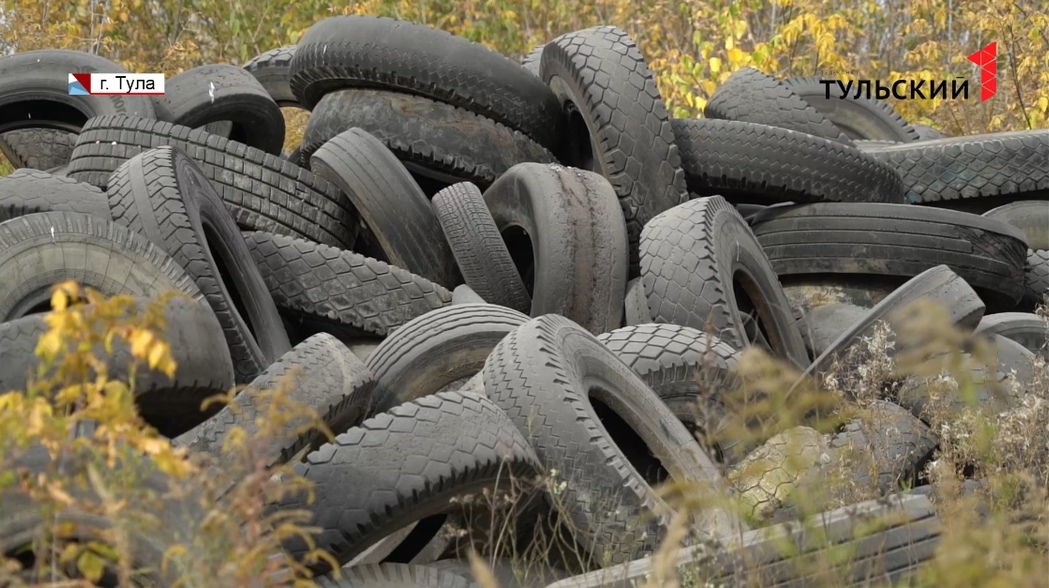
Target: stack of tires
{"points": [[492, 272]]}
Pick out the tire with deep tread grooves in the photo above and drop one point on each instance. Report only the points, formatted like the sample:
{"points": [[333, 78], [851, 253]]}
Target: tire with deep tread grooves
{"points": [[757, 163], [395, 575], [608, 435], [341, 287], [531, 60], [366, 51], [1027, 329], [321, 373], [697, 259], [264, 192], [894, 240], [37, 148], [479, 249], [974, 166], [1036, 278], [617, 124], [203, 366], [165, 196], [566, 234], [749, 95], [409, 463], [26, 191], [436, 349], [33, 95], [272, 69], [45, 248], [223, 93], [859, 118], [389, 202]]}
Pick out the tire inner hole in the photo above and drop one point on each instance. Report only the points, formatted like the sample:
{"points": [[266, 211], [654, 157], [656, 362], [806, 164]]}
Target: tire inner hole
{"points": [[631, 444], [752, 315], [580, 149], [418, 538], [520, 246]]}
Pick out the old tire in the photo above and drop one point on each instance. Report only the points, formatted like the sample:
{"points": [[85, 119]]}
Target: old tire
{"points": [[37, 148], [395, 575], [859, 118], [26, 191], [820, 326], [272, 69], [1027, 329]]}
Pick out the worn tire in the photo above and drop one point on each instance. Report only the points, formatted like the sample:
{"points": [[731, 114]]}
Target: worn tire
{"points": [[479, 249], [365, 51], [635, 305], [566, 234], [895, 240], [390, 203], [749, 95], [1036, 278], [600, 425], [436, 349], [343, 288], [37, 148], [974, 166], [33, 95], [26, 191], [216, 93], [1030, 216], [395, 575], [859, 118], [820, 326], [507, 572], [272, 69], [927, 133], [750, 162], [696, 258], [1027, 329], [263, 192], [165, 196], [617, 124], [531, 60]]}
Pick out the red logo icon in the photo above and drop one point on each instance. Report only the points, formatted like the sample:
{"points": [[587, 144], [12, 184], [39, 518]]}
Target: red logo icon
{"points": [[987, 60]]}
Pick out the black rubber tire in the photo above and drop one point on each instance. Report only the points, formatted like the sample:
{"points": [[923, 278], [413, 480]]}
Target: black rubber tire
{"points": [[436, 349], [223, 92], [883, 448], [820, 326], [635, 304], [927, 133], [1027, 329], [366, 51], [26, 191], [616, 123], [390, 203], [938, 283], [464, 294], [37, 148], [1036, 279], [1030, 216], [749, 95], [691, 257], [202, 362], [33, 95], [479, 249], [565, 231], [409, 464], [320, 373], [272, 69], [895, 240], [42, 249], [507, 572], [974, 166], [437, 142], [747, 162], [341, 287], [688, 370], [163, 195], [395, 575], [552, 368], [263, 192], [532, 59], [1016, 360], [859, 118]]}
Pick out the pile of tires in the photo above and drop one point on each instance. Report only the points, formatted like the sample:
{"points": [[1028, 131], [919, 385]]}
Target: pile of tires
{"points": [[492, 272]]}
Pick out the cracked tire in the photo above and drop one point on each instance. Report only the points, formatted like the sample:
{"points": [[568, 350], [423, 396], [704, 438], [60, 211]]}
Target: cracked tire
{"points": [[223, 93], [605, 432], [336, 288], [479, 249], [26, 191], [565, 232], [407, 465], [263, 192], [895, 240], [859, 118], [749, 95], [37, 148], [272, 69], [400, 219], [700, 262], [974, 166], [366, 51], [437, 349], [617, 124], [320, 373], [746, 162], [165, 196]]}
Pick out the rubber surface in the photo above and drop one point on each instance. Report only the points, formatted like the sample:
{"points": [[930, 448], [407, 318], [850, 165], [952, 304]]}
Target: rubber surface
{"points": [[272, 69], [635, 304], [395, 575], [37, 148], [820, 326], [1027, 329], [25, 191], [859, 118], [1030, 216]]}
